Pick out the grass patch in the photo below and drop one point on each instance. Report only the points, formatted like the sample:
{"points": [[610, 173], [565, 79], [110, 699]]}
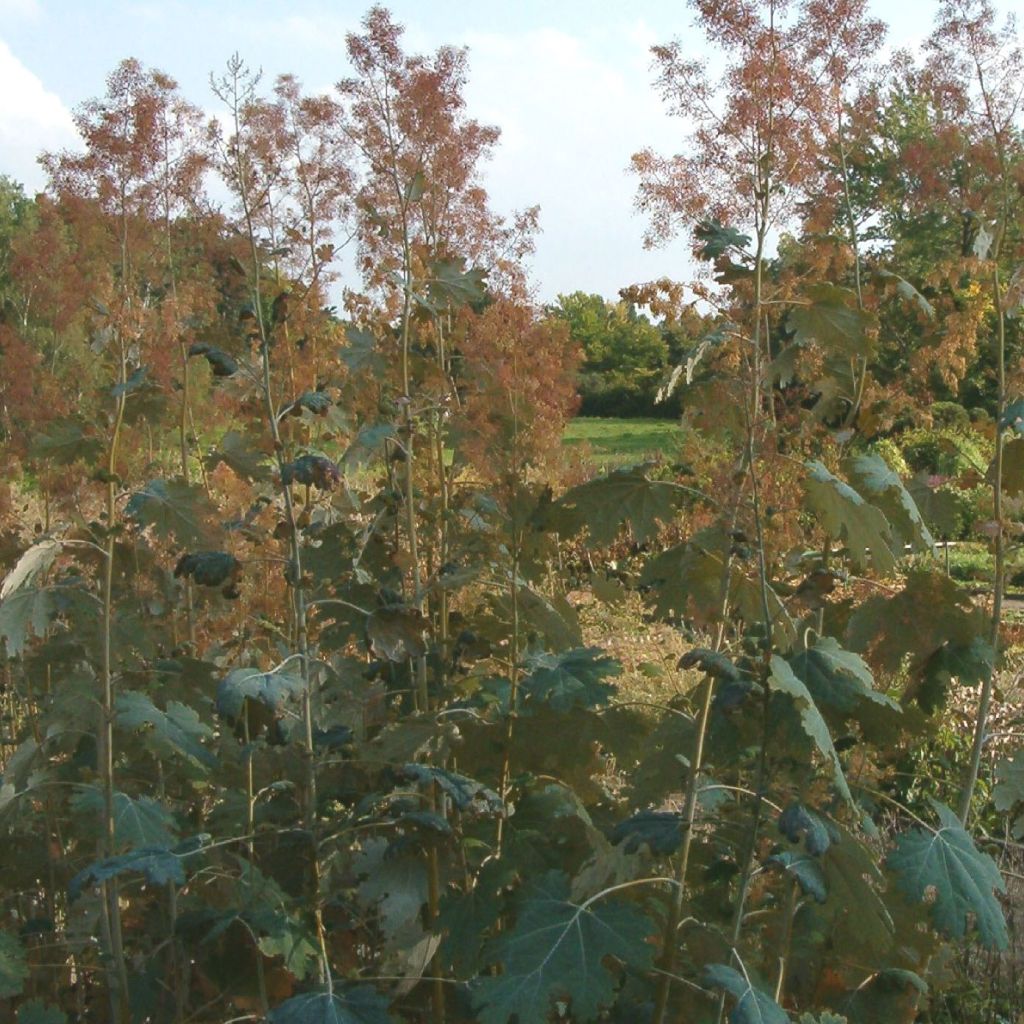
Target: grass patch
{"points": [[612, 443]]}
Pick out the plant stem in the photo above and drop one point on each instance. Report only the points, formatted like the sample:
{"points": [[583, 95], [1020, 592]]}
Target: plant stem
{"points": [[105, 746], [999, 575]]}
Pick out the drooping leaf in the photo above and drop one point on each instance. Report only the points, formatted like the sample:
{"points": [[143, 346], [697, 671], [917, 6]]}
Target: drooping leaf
{"points": [[890, 994], [177, 730], [35, 1011], [970, 663], [238, 454], [798, 822], [450, 284], [575, 678], [368, 444], [929, 612], [222, 364], [66, 441], [467, 917], [907, 292], [832, 319], [1013, 295], [861, 920], [944, 868], [556, 950], [753, 1005], [716, 239], [416, 187], [159, 865], [1013, 416], [139, 822], [714, 663], [845, 515], [395, 632], [466, 794], [32, 564], [709, 343], [313, 471], [25, 612], [627, 495], [783, 680], [550, 621], [13, 966], [689, 574], [211, 569], [173, 508], [315, 402], [937, 504], [659, 831], [805, 869], [1012, 468], [839, 680], [358, 1004], [983, 239], [1008, 794], [130, 385], [880, 485], [271, 689]]}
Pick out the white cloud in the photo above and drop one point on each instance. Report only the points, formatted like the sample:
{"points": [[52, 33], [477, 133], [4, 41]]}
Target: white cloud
{"points": [[25, 9], [572, 110], [34, 119]]}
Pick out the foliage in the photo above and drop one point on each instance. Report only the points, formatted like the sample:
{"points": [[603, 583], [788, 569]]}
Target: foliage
{"points": [[624, 355], [304, 718]]}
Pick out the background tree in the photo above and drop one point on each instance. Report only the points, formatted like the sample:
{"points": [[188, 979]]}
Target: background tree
{"points": [[624, 355]]}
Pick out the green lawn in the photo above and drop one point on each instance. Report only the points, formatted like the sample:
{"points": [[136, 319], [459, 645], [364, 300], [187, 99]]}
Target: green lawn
{"points": [[612, 443]]}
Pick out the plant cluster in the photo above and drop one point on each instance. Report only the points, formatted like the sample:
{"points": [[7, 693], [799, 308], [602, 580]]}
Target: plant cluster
{"points": [[300, 721]]}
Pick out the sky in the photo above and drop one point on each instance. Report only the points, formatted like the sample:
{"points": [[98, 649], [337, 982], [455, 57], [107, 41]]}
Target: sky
{"points": [[568, 82]]}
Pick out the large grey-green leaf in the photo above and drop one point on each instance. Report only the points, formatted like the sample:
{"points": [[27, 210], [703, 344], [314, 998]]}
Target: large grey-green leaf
{"points": [[556, 950], [177, 730], [270, 689], [13, 966], [35, 1011], [629, 496], [753, 1004], [160, 866], [350, 1005], [66, 441], [1008, 794], [842, 686], [237, 452], [944, 868], [575, 678], [907, 292], [174, 509], [138, 821]]}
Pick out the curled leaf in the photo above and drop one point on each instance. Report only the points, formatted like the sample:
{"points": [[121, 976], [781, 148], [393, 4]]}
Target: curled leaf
{"points": [[220, 362], [311, 470], [211, 569]]}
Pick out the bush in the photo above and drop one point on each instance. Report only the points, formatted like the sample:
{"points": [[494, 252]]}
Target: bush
{"points": [[630, 396], [944, 451], [949, 414]]}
